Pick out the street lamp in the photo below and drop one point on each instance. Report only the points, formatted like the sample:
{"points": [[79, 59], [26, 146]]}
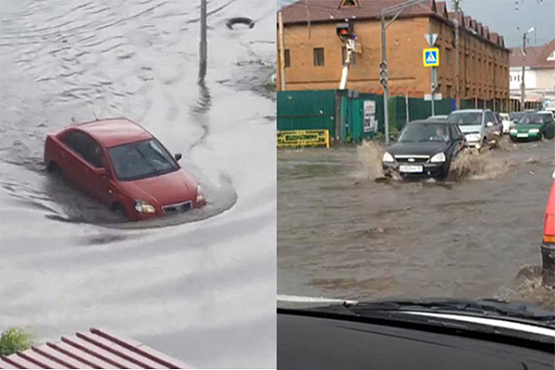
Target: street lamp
{"points": [[394, 10], [522, 85]]}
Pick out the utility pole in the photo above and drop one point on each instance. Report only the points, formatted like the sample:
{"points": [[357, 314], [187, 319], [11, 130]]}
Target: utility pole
{"points": [[523, 84], [396, 10], [203, 42], [457, 52], [281, 51]]}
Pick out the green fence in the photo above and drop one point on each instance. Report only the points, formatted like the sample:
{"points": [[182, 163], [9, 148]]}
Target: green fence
{"points": [[345, 112], [306, 110]]}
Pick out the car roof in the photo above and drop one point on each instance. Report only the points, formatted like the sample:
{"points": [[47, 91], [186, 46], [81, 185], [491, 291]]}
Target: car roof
{"points": [[469, 110], [114, 131], [428, 121]]}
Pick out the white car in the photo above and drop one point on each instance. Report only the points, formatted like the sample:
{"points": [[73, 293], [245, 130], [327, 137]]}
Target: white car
{"points": [[506, 122], [479, 126]]}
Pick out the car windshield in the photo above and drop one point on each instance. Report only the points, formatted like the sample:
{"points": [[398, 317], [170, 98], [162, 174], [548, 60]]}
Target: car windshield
{"points": [[421, 132], [141, 160], [515, 116], [466, 118], [534, 119]]}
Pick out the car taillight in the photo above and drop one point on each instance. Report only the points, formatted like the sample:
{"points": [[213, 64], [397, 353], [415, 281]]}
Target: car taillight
{"points": [[549, 229]]}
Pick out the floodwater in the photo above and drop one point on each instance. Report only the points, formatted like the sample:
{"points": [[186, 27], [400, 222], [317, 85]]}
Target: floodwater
{"points": [[345, 231], [200, 287]]}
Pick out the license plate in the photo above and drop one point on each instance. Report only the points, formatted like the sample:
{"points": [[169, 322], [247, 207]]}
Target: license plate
{"points": [[411, 169], [521, 135]]}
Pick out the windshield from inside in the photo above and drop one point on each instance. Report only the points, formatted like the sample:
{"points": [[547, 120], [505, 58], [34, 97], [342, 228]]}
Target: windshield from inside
{"points": [[534, 119], [421, 132], [141, 160], [466, 118]]}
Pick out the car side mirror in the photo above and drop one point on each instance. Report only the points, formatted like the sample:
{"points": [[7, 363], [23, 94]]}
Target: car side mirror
{"points": [[178, 156], [101, 172], [489, 124]]}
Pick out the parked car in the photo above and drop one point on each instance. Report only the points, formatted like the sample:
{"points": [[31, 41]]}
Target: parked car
{"points": [[548, 240], [506, 122], [533, 126], [124, 166], [437, 118], [424, 148], [480, 127]]}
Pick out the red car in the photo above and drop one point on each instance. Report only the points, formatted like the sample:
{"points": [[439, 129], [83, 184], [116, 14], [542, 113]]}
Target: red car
{"points": [[548, 241], [124, 166]]}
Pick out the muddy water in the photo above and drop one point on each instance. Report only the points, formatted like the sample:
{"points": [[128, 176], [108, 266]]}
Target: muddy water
{"points": [[344, 231], [201, 287]]}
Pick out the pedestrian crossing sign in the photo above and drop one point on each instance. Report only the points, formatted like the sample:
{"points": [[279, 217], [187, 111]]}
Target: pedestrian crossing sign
{"points": [[431, 57]]}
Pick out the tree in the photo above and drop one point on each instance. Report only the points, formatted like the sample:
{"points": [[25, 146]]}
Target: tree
{"points": [[13, 340]]}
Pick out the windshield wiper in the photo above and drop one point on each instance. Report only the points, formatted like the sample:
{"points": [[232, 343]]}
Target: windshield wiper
{"points": [[481, 307], [147, 161]]}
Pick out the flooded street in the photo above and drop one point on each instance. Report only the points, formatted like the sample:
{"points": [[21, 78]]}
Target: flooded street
{"points": [[346, 232], [200, 288]]}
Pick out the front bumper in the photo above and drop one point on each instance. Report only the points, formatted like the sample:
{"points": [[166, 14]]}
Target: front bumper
{"points": [[428, 169], [163, 211], [525, 136]]}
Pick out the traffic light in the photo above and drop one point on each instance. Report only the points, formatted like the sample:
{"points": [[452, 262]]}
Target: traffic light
{"points": [[345, 30], [383, 74]]}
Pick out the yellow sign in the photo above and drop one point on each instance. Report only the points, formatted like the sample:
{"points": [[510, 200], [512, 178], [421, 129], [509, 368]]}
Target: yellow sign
{"points": [[430, 57], [303, 138]]}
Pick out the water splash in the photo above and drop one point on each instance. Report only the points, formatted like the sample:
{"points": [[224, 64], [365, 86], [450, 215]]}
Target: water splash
{"points": [[477, 166], [527, 286], [370, 155]]}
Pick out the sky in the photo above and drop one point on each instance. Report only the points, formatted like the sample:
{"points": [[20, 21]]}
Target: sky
{"points": [[504, 16]]}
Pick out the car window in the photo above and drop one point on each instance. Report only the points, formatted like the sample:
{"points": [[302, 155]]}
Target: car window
{"points": [[141, 160], [422, 132], [465, 118], [86, 147]]}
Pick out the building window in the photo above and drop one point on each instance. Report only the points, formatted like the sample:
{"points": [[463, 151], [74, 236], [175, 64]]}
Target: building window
{"points": [[287, 60], [319, 57], [344, 56]]}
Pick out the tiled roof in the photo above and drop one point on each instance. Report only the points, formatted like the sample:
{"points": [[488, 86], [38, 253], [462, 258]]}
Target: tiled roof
{"points": [[331, 10], [536, 56], [95, 349], [316, 11]]}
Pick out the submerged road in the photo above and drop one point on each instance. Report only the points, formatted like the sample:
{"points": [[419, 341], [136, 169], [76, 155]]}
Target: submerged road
{"points": [[345, 233]]}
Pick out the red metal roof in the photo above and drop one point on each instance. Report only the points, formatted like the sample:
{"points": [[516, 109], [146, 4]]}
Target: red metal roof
{"points": [[331, 10], [95, 349]]}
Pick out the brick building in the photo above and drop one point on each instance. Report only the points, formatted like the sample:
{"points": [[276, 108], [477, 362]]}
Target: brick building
{"points": [[314, 54]]}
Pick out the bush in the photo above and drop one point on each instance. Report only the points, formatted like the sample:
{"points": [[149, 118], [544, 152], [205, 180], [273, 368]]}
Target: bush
{"points": [[13, 340]]}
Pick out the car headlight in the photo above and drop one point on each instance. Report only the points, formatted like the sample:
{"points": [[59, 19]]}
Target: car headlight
{"points": [[388, 158], [513, 131], [534, 130], [144, 207], [439, 157], [200, 195]]}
